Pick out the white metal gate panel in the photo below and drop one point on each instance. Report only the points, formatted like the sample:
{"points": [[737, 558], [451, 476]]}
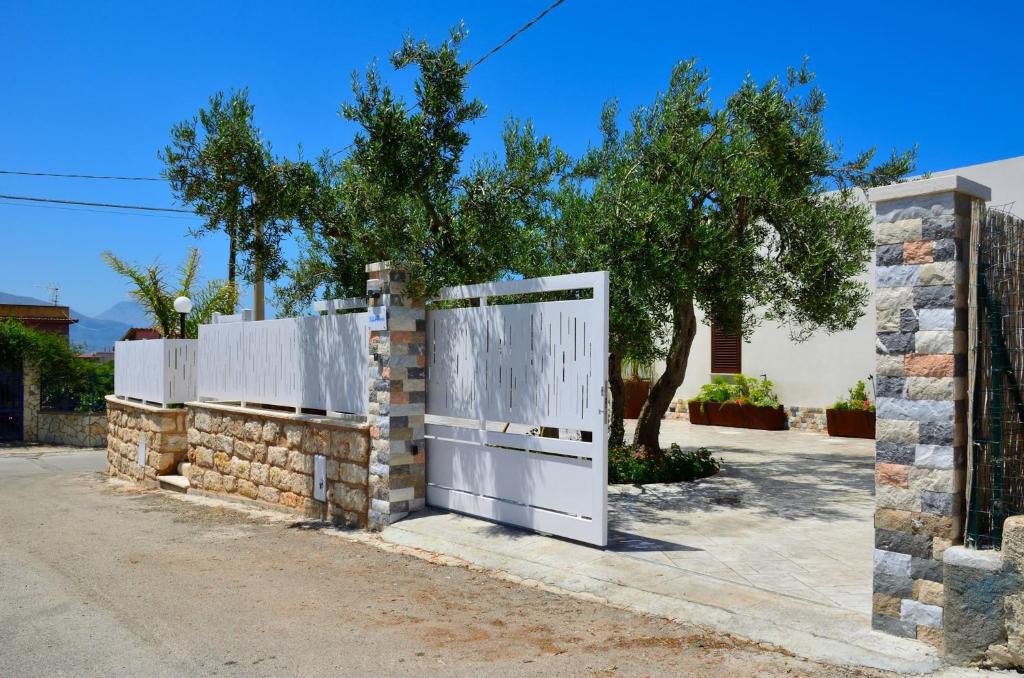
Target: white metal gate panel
{"points": [[497, 375]]}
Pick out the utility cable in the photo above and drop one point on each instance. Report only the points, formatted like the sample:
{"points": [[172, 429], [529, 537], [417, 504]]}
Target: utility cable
{"points": [[525, 27], [78, 176], [97, 204]]}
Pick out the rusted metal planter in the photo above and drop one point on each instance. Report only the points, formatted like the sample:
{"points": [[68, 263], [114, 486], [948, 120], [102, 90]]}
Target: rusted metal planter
{"points": [[737, 416], [636, 392], [850, 423]]}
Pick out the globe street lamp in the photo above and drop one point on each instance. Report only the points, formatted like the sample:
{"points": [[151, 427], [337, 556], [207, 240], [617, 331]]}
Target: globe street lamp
{"points": [[183, 305]]}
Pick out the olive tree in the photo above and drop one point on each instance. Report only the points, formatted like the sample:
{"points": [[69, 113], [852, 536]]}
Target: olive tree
{"points": [[745, 211], [405, 192]]}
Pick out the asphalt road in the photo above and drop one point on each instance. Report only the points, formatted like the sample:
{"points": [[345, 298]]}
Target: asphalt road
{"points": [[98, 578]]}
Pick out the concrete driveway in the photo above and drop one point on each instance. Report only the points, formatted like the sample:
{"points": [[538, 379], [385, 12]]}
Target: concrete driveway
{"points": [[791, 512], [778, 547]]}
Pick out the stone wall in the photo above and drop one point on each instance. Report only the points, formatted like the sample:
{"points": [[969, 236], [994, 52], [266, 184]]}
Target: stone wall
{"points": [[269, 456], [921, 299], [78, 429], [161, 430], [984, 602], [30, 403], [807, 419]]}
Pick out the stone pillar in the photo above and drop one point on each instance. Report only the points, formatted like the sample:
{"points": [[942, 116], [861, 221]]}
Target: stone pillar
{"points": [[397, 383], [922, 232], [30, 402]]}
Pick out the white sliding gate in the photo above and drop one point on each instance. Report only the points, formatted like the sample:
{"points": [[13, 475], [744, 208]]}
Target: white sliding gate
{"points": [[497, 376]]}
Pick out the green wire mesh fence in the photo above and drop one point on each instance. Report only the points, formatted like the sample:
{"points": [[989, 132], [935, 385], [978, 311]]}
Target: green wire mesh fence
{"points": [[997, 427]]}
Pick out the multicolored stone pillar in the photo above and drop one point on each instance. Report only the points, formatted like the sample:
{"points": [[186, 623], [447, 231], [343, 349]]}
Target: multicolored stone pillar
{"points": [[397, 383], [922, 233]]}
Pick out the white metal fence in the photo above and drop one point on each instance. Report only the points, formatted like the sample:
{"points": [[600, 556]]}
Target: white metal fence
{"points": [[517, 367], [160, 371], [317, 363]]}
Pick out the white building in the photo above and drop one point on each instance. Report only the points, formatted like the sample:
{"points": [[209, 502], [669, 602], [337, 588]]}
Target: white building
{"points": [[811, 375]]}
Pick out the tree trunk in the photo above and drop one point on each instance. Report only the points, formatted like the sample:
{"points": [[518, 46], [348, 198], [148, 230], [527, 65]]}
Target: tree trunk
{"points": [[232, 256], [616, 433], [259, 304], [684, 327]]}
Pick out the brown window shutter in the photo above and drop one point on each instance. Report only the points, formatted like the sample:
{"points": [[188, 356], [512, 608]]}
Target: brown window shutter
{"points": [[726, 352]]}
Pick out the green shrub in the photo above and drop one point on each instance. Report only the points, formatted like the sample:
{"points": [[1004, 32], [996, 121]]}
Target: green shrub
{"points": [[856, 399], [82, 388], [742, 390], [628, 464], [66, 380]]}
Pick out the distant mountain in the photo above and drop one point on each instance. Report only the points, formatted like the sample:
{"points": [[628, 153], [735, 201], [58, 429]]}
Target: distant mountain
{"points": [[96, 335], [92, 334], [15, 299], [128, 312]]}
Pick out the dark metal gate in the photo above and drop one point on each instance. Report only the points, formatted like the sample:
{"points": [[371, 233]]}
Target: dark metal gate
{"points": [[996, 450], [11, 404]]}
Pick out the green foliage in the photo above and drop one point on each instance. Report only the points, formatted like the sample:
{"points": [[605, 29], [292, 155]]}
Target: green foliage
{"points": [[44, 350], [83, 389], [155, 293], [635, 369], [742, 390], [405, 193], [219, 164], [857, 399], [66, 381], [630, 464], [744, 210]]}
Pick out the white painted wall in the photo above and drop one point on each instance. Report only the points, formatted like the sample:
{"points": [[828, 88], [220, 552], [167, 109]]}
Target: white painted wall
{"points": [[817, 372]]}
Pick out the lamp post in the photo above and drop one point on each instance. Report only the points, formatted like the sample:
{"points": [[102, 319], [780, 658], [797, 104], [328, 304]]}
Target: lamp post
{"points": [[183, 305]]}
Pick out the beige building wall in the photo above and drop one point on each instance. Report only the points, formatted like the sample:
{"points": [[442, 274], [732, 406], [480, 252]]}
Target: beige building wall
{"points": [[816, 372]]}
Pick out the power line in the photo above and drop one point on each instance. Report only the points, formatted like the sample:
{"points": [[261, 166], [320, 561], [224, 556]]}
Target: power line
{"points": [[78, 176], [525, 27], [97, 204], [96, 211], [522, 29]]}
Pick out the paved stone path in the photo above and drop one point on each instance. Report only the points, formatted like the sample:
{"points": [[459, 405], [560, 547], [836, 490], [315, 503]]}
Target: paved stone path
{"points": [[791, 512]]}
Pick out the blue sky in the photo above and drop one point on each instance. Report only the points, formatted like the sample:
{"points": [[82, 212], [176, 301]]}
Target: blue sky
{"points": [[95, 87]]}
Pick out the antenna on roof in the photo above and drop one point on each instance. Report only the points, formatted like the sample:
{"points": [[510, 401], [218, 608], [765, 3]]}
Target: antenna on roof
{"points": [[54, 293]]}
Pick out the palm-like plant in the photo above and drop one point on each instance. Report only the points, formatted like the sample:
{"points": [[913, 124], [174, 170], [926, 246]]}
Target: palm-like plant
{"points": [[154, 292]]}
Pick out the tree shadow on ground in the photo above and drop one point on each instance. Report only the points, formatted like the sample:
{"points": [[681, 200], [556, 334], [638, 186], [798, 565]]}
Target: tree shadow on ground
{"points": [[621, 541], [832, 486]]}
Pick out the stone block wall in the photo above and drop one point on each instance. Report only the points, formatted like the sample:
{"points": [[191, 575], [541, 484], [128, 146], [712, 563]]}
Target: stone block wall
{"points": [[269, 456], [162, 429], [30, 403], [807, 419], [78, 429], [984, 602], [922, 229], [397, 383]]}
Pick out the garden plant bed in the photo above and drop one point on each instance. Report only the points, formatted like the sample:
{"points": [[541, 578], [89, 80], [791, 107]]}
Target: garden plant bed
{"points": [[738, 416], [850, 423], [628, 464]]}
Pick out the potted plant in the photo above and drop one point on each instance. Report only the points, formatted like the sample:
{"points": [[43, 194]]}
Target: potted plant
{"points": [[743, 402], [853, 416], [637, 385]]}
